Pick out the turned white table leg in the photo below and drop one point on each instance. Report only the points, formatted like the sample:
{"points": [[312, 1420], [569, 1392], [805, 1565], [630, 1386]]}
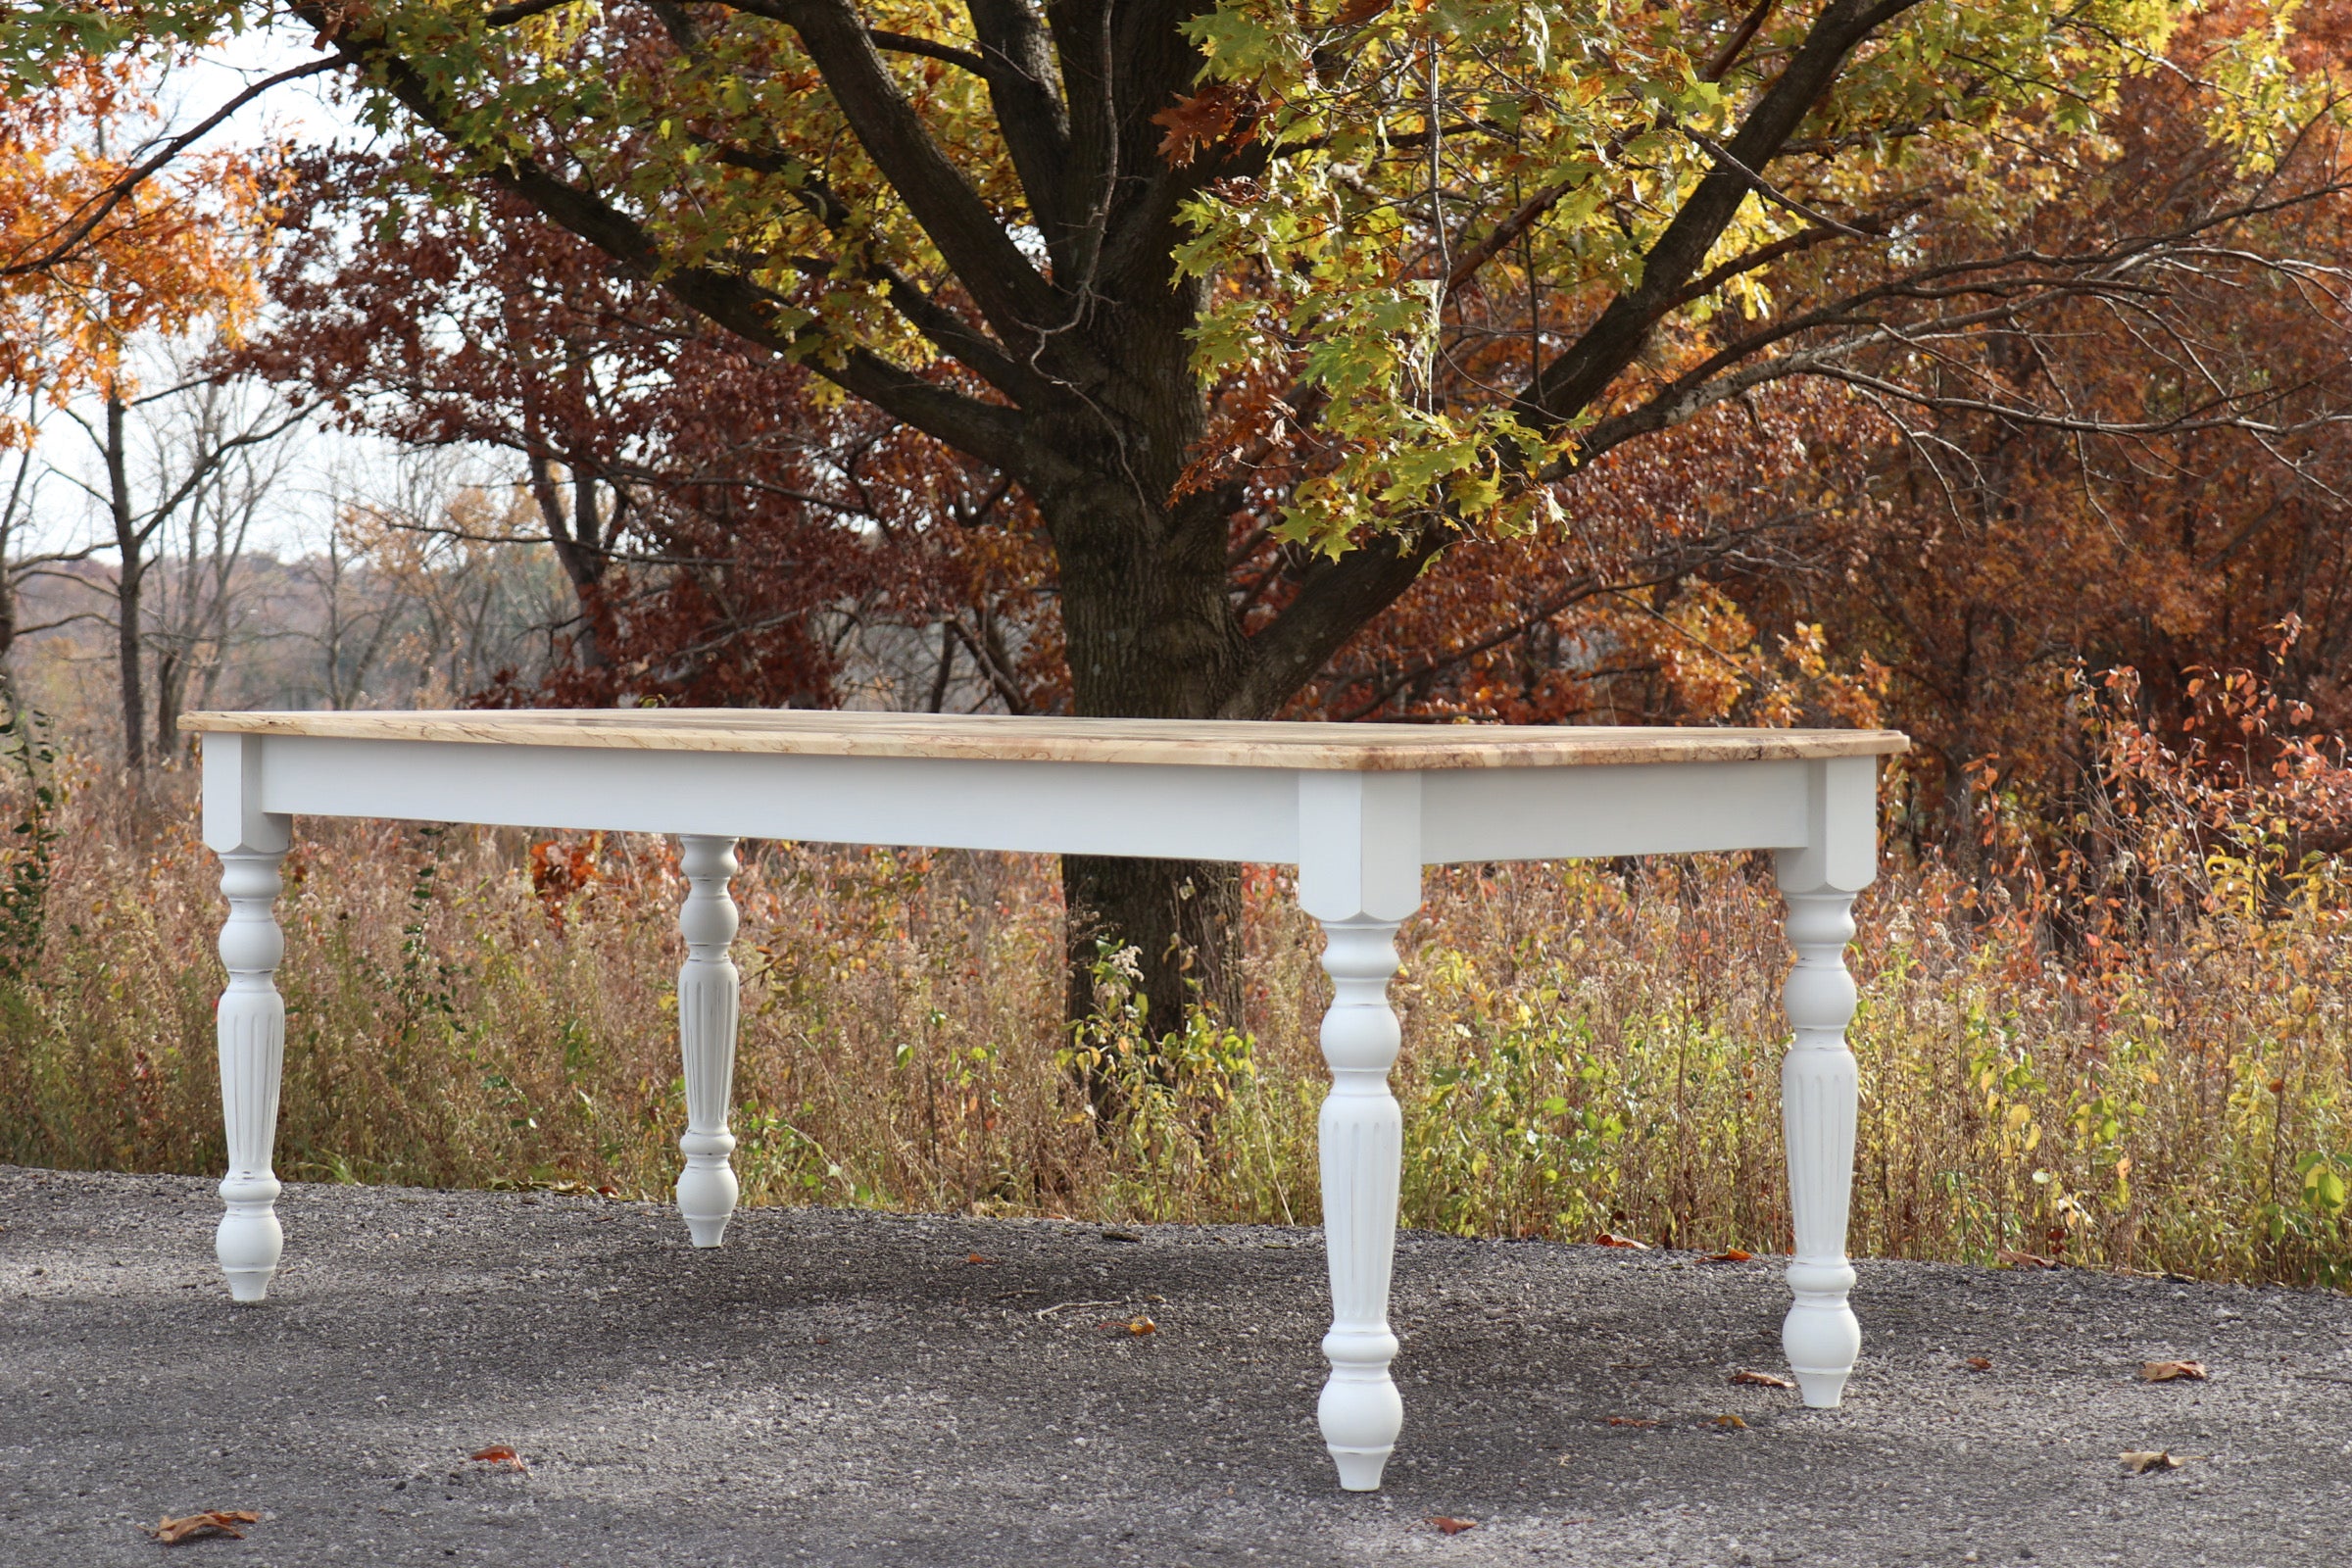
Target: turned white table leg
{"points": [[251, 1028], [1362, 1143], [1821, 1336], [1359, 874], [709, 1003]]}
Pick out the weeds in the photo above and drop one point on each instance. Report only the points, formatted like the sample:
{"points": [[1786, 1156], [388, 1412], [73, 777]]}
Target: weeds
{"points": [[1587, 1048]]}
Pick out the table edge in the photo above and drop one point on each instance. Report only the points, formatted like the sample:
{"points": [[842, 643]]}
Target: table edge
{"points": [[1688, 746]]}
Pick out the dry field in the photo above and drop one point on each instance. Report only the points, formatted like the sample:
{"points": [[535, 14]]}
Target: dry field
{"points": [[1589, 1047]]}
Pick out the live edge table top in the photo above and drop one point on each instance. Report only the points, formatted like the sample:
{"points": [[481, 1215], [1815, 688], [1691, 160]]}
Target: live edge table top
{"points": [[1317, 747]]}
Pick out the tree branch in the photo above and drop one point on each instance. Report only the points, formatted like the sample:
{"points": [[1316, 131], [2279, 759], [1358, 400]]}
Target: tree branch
{"points": [[1580, 373], [1336, 598], [988, 431], [1014, 300], [84, 219]]}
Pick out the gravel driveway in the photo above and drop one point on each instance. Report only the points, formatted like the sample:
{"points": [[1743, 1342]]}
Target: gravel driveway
{"points": [[858, 1389]]}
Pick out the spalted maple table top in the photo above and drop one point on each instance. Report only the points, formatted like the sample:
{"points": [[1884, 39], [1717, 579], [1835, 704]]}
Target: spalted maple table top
{"points": [[1340, 747]]}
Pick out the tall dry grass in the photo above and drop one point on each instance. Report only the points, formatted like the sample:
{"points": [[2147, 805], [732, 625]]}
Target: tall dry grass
{"points": [[1589, 1047]]}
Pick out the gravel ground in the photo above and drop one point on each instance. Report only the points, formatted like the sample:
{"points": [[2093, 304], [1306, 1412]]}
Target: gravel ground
{"points": [[866, 1390]]}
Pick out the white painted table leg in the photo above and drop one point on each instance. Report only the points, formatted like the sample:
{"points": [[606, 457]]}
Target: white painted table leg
{"points": [[251, 1028], [710, 993], [1821, 1336], [1360, 873], [1362, 1144]]}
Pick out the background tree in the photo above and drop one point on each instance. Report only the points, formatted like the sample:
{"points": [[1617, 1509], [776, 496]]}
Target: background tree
{"points": [[725, 531], [1266, 309], [110, 230]]}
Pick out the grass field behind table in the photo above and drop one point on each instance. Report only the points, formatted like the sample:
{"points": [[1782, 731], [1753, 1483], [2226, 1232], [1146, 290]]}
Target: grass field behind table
{"points": [[1587, 1046]]}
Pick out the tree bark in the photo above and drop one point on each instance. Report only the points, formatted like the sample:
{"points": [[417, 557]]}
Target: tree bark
{"points": [[1150, 631], [127, 585]]}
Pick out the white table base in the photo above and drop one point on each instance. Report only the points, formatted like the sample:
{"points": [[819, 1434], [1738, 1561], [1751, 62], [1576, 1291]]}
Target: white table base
{"points": [[1359, 840]]}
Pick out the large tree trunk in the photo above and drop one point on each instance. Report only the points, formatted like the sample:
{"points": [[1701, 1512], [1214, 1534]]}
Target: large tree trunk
{"points": [[1150, 632]]}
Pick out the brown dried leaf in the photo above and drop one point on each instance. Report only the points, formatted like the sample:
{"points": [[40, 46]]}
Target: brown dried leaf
{"points": [[1762, 1380], [1201, 120], [171, 1532], [975, 1259], [1452, 1526], [2011, 1257], [1730, 1423], [1978, 1363], [1730, 1255], [1610, 1239], [2140, 1461], [2172, 1372], [501, 1454]]}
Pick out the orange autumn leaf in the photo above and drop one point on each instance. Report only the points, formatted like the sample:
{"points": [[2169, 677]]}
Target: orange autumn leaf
{"points": [[2142, 1461], [1451, 1526], [171, 1532], [2172, 1372], [86, 267], [1201, 120], [501, 1454]]}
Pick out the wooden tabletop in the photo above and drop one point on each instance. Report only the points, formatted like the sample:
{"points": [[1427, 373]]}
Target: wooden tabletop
{"points": [[1343, 748]]}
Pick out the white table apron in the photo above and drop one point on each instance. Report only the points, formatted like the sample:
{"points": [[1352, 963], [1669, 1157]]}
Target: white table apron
{"points": [[1359, 837]]}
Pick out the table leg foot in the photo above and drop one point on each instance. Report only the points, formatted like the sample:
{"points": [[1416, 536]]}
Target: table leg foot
{"points": [[249, 1241], [710, 1005], [1821, 1336], [1361, 1417], [707, 1190]]}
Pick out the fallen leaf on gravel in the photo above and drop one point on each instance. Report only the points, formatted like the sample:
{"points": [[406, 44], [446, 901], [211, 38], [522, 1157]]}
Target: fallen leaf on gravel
{"points": [[1454, 1526], [501, 1454], [1762, 1380], [2140, 1461], [975, 1259], [2011, 1257], [1731, 1255], [171, 1532], [1730, 1423], [1605, 1239], [1978, 1363], [2172, 1372], [1629, 1421]]}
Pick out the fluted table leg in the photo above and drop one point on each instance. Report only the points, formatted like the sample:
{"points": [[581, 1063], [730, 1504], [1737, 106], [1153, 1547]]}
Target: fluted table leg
{"points": [[710, 993], [1362, 1143], [1821, 1336], [1359, 874], [251, 1029]]}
